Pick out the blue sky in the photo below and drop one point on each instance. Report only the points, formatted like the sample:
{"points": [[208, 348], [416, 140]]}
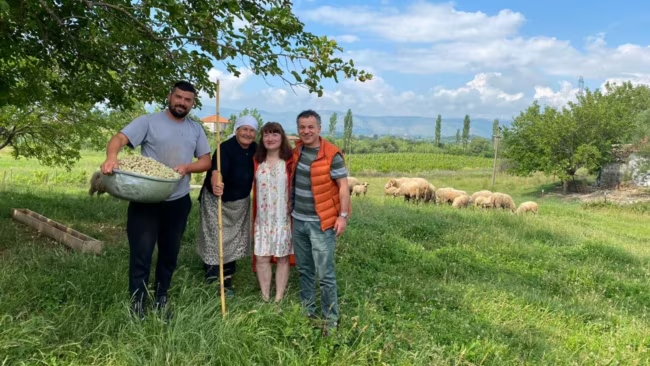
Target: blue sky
{"points": [[489, 59]]}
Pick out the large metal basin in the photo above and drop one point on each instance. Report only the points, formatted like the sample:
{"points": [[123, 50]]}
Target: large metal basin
{"points": [[138, 188]]}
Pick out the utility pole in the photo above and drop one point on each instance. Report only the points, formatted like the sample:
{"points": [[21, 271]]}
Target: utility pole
{"points": [[496, 150]]}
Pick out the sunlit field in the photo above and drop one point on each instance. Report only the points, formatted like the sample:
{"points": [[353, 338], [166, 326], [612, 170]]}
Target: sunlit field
{"points": [[418, 284]]}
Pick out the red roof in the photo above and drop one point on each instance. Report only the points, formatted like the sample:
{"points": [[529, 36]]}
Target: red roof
{"points": [[213, 119]]}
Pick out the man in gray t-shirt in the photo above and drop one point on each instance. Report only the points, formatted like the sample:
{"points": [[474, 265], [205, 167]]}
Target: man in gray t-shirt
{"points": [[174, 140], [169, 141]]}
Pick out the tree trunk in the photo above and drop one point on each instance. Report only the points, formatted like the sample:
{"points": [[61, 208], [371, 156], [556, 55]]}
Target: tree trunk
{"points": [[575, 184], [565, 186]]}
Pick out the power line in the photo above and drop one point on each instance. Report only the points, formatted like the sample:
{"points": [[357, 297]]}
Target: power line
{"points": [[581, 86]]}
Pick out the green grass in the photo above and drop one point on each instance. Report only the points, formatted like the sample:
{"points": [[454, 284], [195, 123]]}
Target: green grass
{"points": [[414, 162], [418, 285]]}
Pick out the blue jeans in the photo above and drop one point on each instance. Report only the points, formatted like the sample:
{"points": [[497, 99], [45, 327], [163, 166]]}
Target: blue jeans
{"points": [[314, 252]]}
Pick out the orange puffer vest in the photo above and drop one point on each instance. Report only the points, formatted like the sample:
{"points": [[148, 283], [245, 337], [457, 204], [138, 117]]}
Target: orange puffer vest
{"points": [[324, 189]]}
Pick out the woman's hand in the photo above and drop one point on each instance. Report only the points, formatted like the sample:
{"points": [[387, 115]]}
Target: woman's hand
{"points": [[217, 186]]}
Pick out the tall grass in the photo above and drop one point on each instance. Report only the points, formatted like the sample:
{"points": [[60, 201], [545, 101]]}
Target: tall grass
{"points": [[418, 285]]}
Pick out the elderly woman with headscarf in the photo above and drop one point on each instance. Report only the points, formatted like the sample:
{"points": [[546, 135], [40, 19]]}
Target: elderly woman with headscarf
{"points": [[237, 181]]}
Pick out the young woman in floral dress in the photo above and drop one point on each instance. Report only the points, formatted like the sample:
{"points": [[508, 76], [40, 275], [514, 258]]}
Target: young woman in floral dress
{"points": [[271, 210]]}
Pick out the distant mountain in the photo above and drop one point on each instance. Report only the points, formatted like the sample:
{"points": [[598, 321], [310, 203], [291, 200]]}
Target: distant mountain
{"points": [[405, 126]]}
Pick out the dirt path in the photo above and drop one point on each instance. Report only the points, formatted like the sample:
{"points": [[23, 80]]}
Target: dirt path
{"points": [[624, 195]]}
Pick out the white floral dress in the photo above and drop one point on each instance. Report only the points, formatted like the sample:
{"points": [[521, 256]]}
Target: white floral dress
{"points": [[273, 222]]}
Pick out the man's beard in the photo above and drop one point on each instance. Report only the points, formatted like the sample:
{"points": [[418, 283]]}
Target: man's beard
{"points": [[172, 110]]}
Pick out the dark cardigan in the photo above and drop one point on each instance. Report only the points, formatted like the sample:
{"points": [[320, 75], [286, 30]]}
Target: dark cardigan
{"points": [[236, 170]]}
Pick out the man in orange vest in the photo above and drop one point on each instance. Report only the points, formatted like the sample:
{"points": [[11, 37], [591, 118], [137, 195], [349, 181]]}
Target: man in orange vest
{"points": [[320, 201]]}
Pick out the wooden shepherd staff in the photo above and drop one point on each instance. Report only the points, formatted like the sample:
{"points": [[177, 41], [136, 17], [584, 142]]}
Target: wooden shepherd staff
{"points": [[223, 296]]}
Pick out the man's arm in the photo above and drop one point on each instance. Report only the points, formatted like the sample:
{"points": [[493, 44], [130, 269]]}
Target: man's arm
{"points": [[203, 164], [132, 134], [344, 194], [117, 142], [339, 174]]}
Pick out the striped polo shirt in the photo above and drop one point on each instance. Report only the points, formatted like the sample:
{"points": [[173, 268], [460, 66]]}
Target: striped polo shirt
{"points": [[304, 208]]}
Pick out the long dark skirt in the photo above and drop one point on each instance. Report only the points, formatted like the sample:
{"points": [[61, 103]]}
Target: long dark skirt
{"points": [[236, 236]]}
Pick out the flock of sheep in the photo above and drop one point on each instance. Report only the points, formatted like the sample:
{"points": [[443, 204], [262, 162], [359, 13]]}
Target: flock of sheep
{"points": [[416, 190]]}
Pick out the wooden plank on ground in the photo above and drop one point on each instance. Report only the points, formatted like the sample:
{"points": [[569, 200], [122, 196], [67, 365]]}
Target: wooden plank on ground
{"points": [[59, 232]]}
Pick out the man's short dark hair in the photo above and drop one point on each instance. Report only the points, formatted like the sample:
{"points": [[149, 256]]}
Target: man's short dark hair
{"points": [[308, 113], [184, 86]]}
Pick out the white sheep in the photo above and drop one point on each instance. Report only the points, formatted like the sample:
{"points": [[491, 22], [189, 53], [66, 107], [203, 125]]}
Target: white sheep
{"points": [[502, 200], [395, 182], [410, 190], [415, 188], [96, 185], [483, 193], [361, 188], [391, 191], [448, 194], [528, 206], [352, 182], [460, 201], [483, 202]]}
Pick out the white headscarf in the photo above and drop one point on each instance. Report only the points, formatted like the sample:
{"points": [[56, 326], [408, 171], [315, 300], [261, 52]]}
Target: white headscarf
{"points": [[244, 121]]}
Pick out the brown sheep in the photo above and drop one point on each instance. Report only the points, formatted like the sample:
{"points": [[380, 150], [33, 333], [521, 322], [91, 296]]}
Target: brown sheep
{"points": [[429, 193], [528, 206], [460, 201], [502, 200], [361, 188], [96, 185]]}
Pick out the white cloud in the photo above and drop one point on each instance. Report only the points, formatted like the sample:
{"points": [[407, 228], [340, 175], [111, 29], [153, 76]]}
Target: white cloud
{"points": [[459, 42], [482, 96], [568, 92], [229, 84], [480, 87], [421, 22], [497, 71], [634, 79], [548, 96], [547, 55], [346, 38], [485, 95]]}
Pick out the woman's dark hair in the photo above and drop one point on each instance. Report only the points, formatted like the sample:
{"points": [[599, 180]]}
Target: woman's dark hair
{"points": [[285, 148]]}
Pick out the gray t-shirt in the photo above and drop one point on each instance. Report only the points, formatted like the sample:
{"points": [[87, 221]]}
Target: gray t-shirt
{"points": [[169, 142]]}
